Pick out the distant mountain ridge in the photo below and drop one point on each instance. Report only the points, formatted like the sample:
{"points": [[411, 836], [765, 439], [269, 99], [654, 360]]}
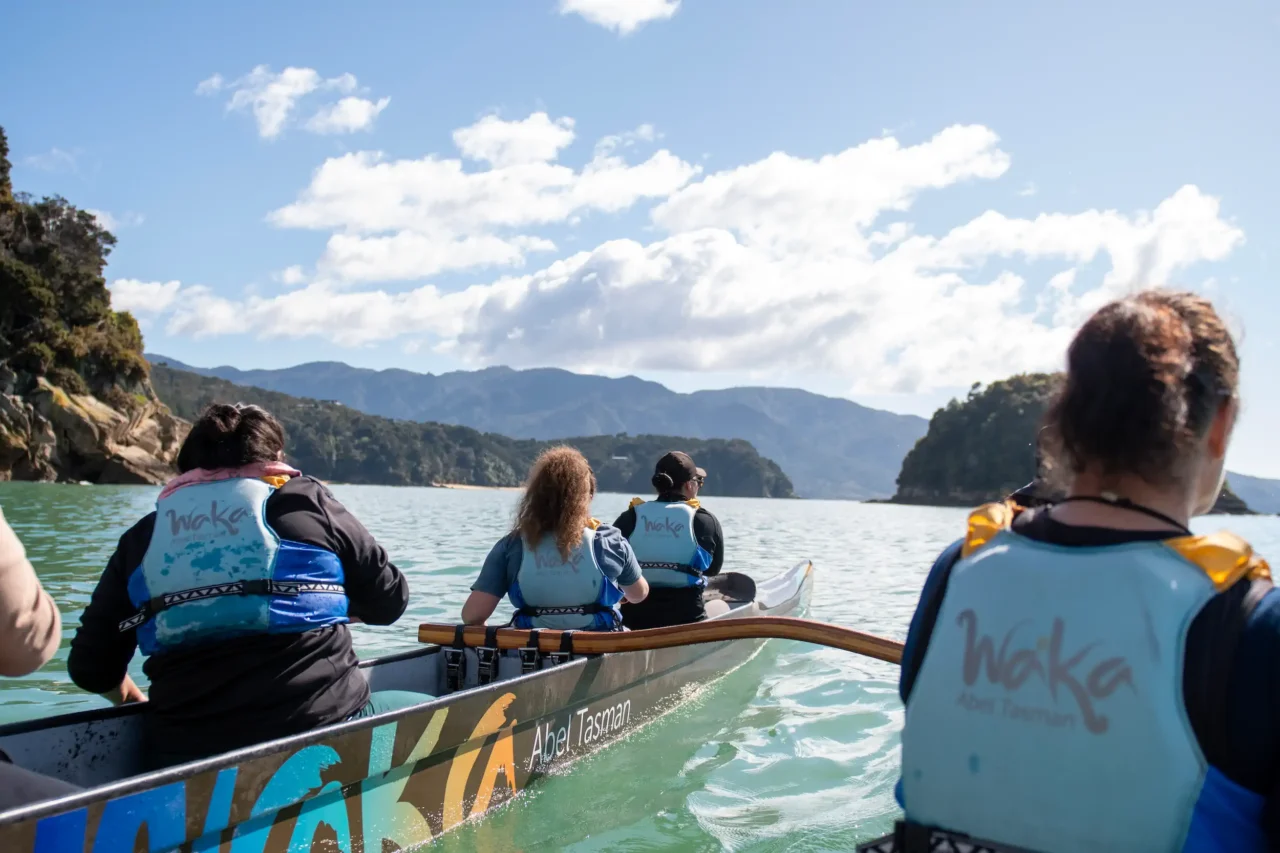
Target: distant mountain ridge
{"points": [[830, 447], [342, 444]]}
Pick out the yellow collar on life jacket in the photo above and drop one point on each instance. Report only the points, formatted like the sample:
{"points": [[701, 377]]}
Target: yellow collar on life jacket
{"points": [[1224, 557], [276, 480], [593, 523], [693, 502]]}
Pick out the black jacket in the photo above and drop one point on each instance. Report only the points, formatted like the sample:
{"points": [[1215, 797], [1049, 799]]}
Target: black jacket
{"points": [[217, 697], [680, 605]]}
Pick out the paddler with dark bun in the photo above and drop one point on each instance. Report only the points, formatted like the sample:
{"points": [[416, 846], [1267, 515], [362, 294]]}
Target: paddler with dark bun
{"points": [[678, 542], [1091, 675], [239, 588]]}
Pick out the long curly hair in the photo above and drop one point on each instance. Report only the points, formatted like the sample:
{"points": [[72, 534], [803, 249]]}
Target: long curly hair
{"points": [[557, 499]]}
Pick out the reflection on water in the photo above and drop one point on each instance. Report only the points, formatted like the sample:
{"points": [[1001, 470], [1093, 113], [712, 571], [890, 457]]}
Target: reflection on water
{"points": [[797, 750]]}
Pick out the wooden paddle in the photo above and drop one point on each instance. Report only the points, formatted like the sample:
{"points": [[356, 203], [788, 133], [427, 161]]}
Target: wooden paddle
{"points": [[713, 631]]}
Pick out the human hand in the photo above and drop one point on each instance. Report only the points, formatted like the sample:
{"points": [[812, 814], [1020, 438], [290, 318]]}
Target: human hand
{"points": [[126, 693]]}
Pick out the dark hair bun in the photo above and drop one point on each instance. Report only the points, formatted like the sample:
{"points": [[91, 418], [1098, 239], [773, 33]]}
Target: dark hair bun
{"points": [[227, 436], [1145, 377], [663, 482]]}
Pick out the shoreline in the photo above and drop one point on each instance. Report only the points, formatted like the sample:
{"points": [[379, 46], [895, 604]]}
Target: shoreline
{"points": [[471, 488]]}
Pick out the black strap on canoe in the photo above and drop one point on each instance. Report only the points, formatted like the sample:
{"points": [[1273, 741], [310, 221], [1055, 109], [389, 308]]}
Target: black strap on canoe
{"points": [[910, 837], [566, 642], [487, 656], [531, 655], [289, 589], [675, 567], [455, 662]]}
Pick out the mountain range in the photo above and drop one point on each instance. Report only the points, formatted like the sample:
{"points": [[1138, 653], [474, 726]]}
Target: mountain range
{"points": [[830, 447]]}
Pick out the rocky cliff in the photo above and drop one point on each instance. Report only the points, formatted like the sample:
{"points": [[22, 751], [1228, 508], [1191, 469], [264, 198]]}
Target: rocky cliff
{"points": [[48, 434]]}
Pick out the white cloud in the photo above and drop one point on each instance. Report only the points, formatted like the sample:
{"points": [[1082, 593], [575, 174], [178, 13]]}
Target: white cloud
{"points": [[115, 223], [347, 116], [499, 143], [621, 16], [272, 99], [54, 160], [785, 265], [408, 219], [1028, 189], [143, 297]]}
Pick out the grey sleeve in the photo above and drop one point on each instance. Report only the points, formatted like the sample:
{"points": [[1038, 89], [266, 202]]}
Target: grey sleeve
{"points": [[497, 572], [617, 560]]}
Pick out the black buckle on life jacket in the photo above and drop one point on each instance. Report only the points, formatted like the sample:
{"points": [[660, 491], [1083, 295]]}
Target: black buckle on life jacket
{"points": [[487, 656], [911, 837], [531, 655]]}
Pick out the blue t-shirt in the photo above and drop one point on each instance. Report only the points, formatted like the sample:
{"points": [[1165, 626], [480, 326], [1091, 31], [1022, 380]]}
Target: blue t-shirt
{"points": [[613, 554], [1231, 681]]}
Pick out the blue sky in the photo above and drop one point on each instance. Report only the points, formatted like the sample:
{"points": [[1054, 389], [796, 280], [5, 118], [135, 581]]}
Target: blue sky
{"points": [[880, 201]]}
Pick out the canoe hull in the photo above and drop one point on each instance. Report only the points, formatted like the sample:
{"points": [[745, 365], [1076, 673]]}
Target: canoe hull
{"points": [[404, 777]]}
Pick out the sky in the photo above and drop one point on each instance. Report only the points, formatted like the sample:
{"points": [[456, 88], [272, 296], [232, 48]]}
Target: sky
{"points": [[886, 202]]}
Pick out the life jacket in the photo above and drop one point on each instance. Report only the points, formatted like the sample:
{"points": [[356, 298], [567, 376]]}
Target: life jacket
{"points": [[574, 594], [215, 569], [1048, 713], [663, 540]]}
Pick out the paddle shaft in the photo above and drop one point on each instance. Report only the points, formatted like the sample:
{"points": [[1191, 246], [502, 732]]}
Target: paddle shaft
{"points": [[713, 631]]}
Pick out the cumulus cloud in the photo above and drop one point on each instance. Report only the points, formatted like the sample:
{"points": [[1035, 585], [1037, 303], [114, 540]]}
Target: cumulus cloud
{"points": [[272, 99], [347, 116], [499, 143], [621, 16], [408, 219], [783, 265], [143, 297]]}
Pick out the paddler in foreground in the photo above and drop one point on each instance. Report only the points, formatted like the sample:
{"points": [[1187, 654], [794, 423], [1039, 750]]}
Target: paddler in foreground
{"points": [[679, 544], [239, 588], [560, 567], [1091, 675]]}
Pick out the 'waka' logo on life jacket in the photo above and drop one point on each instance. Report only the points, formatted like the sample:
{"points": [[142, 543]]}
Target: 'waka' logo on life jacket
{"points": [[1046, 660], [222, 521], [553, 560], [675, 529]]}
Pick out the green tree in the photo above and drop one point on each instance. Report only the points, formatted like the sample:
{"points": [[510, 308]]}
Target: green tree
{"points": [[56, 318]]}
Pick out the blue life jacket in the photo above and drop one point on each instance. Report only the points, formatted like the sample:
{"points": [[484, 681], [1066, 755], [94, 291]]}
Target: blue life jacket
{"points": [[668, 553], [574, 594], [1048, 712], [215, 569]]}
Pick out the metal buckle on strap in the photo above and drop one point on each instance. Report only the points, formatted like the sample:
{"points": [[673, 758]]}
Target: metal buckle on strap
{"points": [[531, 655], [487, 664], [558, 658], [487, 656], [455, 669]]}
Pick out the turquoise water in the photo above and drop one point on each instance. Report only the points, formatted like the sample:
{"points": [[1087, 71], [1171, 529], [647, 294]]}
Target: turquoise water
{"points": [[796, 751]]}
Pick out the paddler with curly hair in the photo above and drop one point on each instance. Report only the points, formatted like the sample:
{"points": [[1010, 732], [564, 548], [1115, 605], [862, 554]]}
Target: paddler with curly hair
{"points": [[561, 568], [1091, 675]]}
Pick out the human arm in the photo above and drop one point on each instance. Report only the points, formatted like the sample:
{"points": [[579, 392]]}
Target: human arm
{"points": [[30, 626], [619, 564], [100, 652], [303, 510], [494, 580], [922, 622], [710, 537], [478, 607]]}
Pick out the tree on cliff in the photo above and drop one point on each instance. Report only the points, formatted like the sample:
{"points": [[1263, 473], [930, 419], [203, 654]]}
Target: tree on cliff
{"points": [[55, 310], [984, 448]]}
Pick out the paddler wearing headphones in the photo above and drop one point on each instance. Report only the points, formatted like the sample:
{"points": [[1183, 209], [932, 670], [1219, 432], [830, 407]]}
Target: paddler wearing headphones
{"points": [[1090, 675], [679, 545]]}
